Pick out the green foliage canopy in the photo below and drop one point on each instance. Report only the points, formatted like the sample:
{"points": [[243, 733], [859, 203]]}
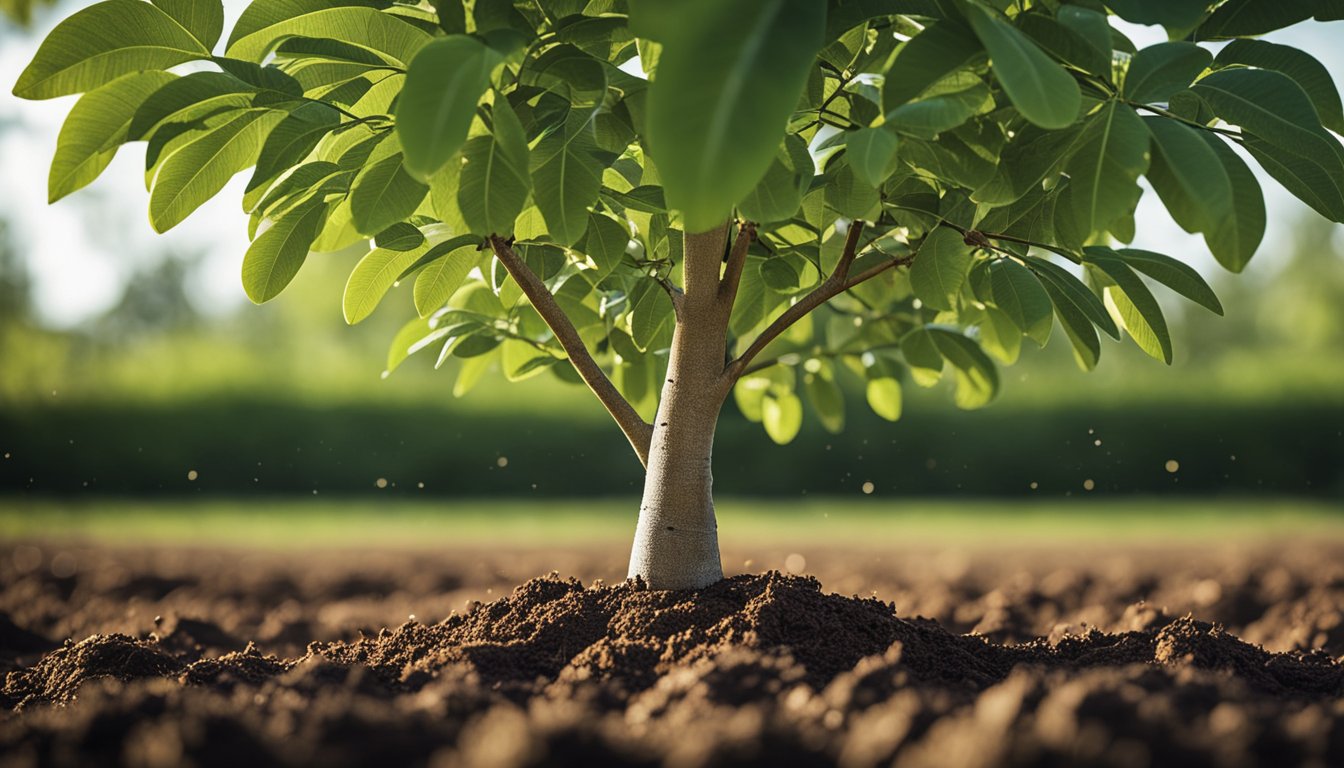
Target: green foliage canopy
{"points": [[988, 153]]}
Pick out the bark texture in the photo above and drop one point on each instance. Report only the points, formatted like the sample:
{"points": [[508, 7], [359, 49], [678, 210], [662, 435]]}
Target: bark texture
{"points": [[677, 538]]}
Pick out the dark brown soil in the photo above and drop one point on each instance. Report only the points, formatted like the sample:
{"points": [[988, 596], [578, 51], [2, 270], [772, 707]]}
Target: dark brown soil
{"points": [[1029, 658]]}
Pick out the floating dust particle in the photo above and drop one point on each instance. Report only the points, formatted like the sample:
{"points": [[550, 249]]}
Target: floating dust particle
{"points": [[421, 486], [795, 563], [1173, 465], [1035, 485], [1088, 484], [192, 475], [868, 487], [1096, 443], [502, 462], [381, 482]]}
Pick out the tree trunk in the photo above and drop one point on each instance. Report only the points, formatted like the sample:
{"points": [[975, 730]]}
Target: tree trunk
{"points": [[677, 538]]}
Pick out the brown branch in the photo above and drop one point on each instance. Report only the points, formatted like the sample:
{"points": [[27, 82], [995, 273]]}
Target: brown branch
{"points": [[732, 274], [979, 239], [742, 365], [841, 270], [838, 282], [637, 431]]}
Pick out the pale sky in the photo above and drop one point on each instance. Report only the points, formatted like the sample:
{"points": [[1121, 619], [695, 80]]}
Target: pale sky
{"points": [[80, 250]]}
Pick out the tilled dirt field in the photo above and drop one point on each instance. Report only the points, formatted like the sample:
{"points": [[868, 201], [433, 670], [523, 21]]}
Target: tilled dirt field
{"points": [[920, 656]]}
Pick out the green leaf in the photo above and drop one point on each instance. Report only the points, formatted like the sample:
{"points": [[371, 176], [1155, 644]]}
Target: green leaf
{"points": [[495, 179], [824, 394], [782, 416], [288, 144], [1159, 71], [1178, 16], [1301, 66], [204, 19], [922, 355], [1243, 18], [383, 194], [101, 43], [651, 312], [401, 347], [1134, 303], [1234, 244], [1068, 44], [1018, 293], [371, 279], [1272, 106], [999, 336], [566, 178], [471, 372], [1091, 25], [402, 236], [573, 75], [872, 154], [189, 100], [849, 195], [445, 81], [1077, 326], [939, 270], [394, 40], [977, 378], [1174, 274], [1024, 162], [95, 128], [931, 116], [883, 387], [1112, 151], [605, 242], [1189, 177], [843, 15], [1040, 89], [1059, 282], [941, 49], [1319, 187], [198, 171], [780, 192], [441, 277], [275, 257], [729, 77], [521, 360]]}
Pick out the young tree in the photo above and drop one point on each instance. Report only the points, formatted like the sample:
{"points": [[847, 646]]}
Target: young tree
{"points": [[674, 201]]}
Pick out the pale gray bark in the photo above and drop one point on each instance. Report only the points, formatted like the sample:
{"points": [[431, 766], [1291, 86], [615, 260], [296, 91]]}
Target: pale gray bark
{"points": [[677, 538]]}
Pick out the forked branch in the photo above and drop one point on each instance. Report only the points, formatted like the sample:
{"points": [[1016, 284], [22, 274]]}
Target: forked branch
{"points": [[839, 281], [637, 431]]}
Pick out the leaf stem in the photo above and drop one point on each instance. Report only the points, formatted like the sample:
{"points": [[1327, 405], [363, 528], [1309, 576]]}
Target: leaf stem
{"points": [[1179, 119]]}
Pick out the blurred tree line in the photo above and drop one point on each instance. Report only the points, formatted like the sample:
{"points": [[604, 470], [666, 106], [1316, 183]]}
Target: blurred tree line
{"points": [[286, 398]]}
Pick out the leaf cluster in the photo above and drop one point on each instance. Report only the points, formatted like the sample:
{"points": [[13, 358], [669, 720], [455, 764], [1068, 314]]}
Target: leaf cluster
{"points": [[989, 153]]}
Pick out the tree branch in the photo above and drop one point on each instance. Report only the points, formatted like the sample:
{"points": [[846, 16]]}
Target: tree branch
{"points": [[637, 431], [823, 293], [981, 239], [838, 282], [732, 274]]}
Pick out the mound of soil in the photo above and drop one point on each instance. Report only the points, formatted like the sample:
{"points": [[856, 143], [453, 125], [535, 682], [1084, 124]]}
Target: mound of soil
{"points": [[758, 669]]}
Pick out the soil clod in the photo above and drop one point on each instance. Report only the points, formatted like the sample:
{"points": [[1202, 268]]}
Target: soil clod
{"points": [[766, 669]]}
